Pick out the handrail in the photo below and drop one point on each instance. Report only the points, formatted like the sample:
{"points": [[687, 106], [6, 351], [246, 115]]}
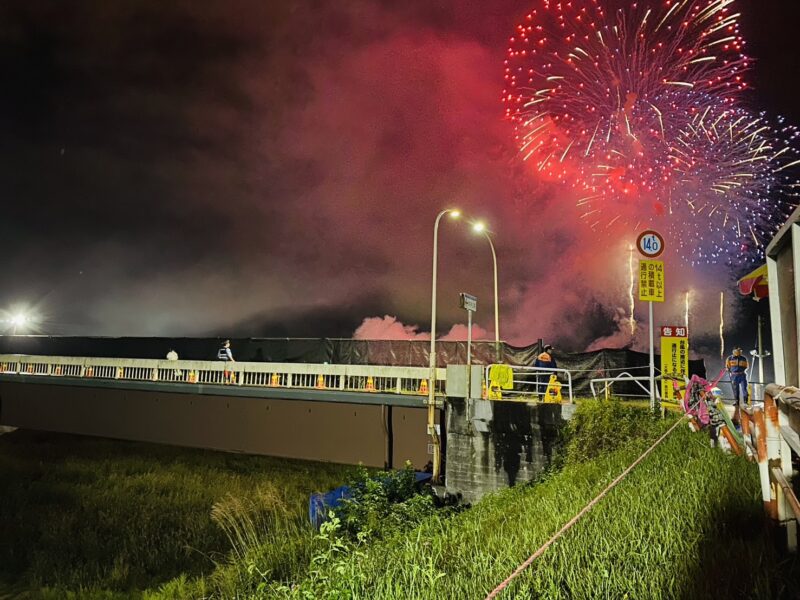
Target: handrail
{"points": [[358, 378], [516, 393], [623, 377], [771, 431]]}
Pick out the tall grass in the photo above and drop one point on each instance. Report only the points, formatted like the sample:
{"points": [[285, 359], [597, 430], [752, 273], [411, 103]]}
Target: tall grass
{"points": [[687, 523], [80, 514]]}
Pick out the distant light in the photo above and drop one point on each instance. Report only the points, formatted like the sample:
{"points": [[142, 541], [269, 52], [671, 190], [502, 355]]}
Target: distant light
{"points": [[478, 227], [454, 214], [19, 319]]}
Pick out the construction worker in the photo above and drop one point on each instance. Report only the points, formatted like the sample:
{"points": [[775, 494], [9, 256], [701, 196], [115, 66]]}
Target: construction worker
{"points": [[736, 365], [224, 353], [545, 360]]}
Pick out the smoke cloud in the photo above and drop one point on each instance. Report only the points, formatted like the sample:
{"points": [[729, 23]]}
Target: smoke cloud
{"points": [[264, 169]]}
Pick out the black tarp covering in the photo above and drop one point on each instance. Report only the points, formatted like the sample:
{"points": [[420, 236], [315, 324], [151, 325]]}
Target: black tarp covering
{"points": [[309, 350], [583, 365]]}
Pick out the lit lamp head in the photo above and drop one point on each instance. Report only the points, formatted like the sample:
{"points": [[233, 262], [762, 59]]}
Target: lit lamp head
{"points": [[455, 213], [19, 320], [478, 227]]}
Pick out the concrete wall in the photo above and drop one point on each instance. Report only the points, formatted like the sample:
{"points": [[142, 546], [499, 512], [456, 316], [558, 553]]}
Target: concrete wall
{"points": [[327, 431], [492, 445]]}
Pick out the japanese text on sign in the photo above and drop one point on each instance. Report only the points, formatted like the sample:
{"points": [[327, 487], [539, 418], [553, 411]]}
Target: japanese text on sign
{"points": [[674, 362], [651, 280]]}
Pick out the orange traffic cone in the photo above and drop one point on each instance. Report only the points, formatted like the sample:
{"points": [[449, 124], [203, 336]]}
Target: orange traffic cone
{"points": [[370, 384], [320, 382], [423, 388], [274, 381]]}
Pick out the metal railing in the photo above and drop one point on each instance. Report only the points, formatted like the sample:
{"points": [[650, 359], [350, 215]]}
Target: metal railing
{"points": [[624, 377], [771, 433], [529, 383], [351, 378]]}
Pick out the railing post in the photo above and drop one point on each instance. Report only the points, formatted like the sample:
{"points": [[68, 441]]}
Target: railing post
{"points": [[759, 420], [788, 472]]}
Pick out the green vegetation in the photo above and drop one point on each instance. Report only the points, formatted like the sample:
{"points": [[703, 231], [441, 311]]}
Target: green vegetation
{"points": [[686, 523], [82, 513]]}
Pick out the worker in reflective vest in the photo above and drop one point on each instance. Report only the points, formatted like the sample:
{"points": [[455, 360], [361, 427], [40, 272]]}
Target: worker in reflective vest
{"points": [[545, 360], [737, 369], [224, 353]]}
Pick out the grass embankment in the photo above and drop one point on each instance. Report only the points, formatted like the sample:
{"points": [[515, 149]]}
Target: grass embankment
{"points": [[80, 514], [687, 523]]}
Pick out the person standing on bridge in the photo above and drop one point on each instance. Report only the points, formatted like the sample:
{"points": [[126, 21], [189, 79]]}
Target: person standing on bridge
{"points": [[545, 360], [225, 354], [737, 369]]}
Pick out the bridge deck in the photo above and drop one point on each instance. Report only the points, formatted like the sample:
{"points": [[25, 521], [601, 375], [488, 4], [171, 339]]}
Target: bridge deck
{"points": [[354, 384]]}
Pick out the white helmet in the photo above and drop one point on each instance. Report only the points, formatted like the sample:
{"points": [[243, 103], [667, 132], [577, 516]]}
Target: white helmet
{"points": [[716, 392]]}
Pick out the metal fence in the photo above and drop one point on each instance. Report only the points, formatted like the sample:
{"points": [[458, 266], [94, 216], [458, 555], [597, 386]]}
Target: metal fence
{"points": [[527, 384]]}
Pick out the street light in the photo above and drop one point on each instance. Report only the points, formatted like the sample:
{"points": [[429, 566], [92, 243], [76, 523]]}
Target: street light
{"points": [[454, 214], [18, 320], [480, 227]]}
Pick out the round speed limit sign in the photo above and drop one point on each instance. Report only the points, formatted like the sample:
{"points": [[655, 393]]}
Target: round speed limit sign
{"points": [[650, 243]]}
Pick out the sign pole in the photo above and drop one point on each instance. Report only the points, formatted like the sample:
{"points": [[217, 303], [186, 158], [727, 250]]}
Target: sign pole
{"points": [[652, 362], [469, 337], [651, 289], [469, 303]]}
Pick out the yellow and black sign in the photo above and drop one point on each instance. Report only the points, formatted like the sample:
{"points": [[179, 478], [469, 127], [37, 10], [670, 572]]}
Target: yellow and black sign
{"points": [[674, 362], [651, 280]]}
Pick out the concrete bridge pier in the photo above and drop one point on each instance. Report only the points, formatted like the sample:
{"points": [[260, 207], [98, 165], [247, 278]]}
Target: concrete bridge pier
{"points": [[496, 444]]}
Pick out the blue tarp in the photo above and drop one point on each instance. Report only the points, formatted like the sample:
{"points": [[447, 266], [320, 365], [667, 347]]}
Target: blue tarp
{"points": [[319, 504]]}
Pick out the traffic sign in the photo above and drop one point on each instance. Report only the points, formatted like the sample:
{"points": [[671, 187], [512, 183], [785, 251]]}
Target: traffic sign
{"points": [[651, 280], [468, 302], [674, 361], [650, 243]]}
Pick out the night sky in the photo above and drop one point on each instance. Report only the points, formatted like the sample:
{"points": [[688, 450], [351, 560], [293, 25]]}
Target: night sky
{"points": [[274, 169]]}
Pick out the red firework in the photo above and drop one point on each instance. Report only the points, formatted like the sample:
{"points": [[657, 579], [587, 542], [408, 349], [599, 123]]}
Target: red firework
{"points": [[600, 92]]}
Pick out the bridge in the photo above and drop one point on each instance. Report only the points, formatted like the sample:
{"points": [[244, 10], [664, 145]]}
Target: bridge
{"points": [[373, 414], [350, 384]]}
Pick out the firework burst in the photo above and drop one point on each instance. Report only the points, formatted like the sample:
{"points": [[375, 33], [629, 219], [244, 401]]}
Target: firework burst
{"points": [[734, 183], [635, 105]]}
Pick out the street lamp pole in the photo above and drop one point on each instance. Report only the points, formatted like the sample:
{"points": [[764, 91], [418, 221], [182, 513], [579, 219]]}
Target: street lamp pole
{"points": [[480, 228], [432, 379]]}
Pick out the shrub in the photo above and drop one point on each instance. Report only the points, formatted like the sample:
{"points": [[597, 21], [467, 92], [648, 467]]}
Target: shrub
{"points": [[601, 426]]}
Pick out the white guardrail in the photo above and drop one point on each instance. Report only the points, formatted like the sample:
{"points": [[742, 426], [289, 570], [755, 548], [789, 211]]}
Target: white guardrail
{"points": [[622, 378], [351, 378], [529, 384]]}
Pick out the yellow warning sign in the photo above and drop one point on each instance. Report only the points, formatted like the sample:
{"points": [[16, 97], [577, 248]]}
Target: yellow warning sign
{"points": [[651, 280], [674, 362]]}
